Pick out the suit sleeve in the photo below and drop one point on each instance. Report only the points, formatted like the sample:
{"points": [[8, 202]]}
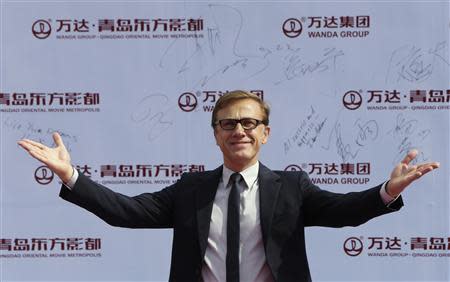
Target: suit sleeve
{"points": [[325, 208], [148, 210]]}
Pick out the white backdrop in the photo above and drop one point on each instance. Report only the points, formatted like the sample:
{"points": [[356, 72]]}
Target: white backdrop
{"points": [[130, 86]]}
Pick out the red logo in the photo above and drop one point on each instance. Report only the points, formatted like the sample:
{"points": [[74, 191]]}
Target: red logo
{"points": [[187, 102], [43, 175], [352, 100], [353, 246], [41, 29], [292, 27]]}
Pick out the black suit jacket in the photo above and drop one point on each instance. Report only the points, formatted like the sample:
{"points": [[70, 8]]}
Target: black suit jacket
{"points": [[288, 203]]}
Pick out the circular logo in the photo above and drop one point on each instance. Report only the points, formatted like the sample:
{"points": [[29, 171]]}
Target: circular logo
{"points": [[43, 175], [353, 246], [292, 27], [352, 100], [187, 102], [41, 29], [293, 167]]}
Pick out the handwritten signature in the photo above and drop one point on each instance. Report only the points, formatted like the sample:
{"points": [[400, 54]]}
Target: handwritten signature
{"points": [[152, 112], [223, 52], [365, 133], [409, 136], [415, 64], [220, 50], [296, 65], [31, 130], [368, 131], [307, 132]]}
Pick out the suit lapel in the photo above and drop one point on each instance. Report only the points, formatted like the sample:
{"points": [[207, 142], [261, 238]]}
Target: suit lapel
{"points": [[206, 193], [269, 187]]}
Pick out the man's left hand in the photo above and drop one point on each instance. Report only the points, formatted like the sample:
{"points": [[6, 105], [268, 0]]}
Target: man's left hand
{"points": [[404, 173]]}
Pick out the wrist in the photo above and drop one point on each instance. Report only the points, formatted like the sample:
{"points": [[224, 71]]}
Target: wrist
{"points": [[66, 174], [388, 191]]}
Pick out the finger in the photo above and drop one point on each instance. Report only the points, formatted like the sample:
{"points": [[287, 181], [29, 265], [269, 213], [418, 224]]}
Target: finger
{"points": [[412, 168], [419, 172], [58, 140], [400, 168], [39, 156], [22, 144], [410, 177], [27, 146], [410, 156], [432, 164], [426, 169], [34, 143]]}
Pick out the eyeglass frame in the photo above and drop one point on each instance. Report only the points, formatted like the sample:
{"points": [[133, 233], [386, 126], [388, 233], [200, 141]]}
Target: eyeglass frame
{"points": [[258, 122]]}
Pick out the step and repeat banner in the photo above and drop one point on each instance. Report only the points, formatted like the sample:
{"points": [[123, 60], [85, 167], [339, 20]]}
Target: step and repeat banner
{"points": [[353, 86]]}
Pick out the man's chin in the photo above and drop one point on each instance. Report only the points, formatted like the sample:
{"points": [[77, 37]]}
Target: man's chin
{"points": [[240, 152], [242, 158]]}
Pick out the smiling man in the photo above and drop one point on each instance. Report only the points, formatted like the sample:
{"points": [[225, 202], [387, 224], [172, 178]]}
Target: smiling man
{"points": [[236, 123], [241, 221]]}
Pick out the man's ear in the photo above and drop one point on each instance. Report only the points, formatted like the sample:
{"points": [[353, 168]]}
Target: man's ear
{"points": [[266, 134]]}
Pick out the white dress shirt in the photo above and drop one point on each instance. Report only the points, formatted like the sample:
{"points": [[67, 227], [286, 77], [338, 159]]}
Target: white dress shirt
{"points": [[252, 259]]}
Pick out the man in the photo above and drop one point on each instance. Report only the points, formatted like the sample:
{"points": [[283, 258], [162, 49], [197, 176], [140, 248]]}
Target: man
{"points": [[228, 226]]}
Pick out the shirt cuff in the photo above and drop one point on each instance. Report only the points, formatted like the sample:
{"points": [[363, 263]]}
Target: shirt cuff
{"points": [[387, 199], [72, 180]]}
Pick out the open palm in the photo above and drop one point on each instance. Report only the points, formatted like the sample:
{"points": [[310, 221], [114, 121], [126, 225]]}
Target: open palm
{"points": [[57, 158], [404, 173]]}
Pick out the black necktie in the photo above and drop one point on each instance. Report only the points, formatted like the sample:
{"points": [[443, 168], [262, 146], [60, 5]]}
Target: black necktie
{"points": [[232, 262]]}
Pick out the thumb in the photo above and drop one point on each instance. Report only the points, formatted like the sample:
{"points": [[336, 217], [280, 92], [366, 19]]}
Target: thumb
{"points": [[58, 140]]}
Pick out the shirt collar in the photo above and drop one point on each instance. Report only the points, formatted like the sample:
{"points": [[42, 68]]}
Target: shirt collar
{"points": [[249, 174]]}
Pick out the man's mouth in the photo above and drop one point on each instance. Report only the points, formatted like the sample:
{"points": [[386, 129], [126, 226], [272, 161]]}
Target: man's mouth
{"points": [[240, 144]]}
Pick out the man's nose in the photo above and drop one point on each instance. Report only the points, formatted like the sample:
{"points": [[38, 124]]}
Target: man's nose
{"points": [[239, 129]]}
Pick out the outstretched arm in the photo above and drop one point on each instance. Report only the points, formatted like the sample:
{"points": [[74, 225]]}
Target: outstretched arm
{"points": [[404, 173], [150, 210], [57, 158]]}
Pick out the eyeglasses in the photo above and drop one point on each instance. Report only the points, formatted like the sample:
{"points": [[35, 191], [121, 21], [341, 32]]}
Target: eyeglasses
{"points": [[246, 123]]}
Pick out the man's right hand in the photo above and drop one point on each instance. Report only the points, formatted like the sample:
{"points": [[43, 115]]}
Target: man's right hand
{"points": [[57, 158]]}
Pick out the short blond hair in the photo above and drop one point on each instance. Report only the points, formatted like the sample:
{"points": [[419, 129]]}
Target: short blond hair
{"points": [[236, 95]]}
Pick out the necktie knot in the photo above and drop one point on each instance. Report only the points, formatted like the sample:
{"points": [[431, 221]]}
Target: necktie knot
{"points": [[235, 178]]}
